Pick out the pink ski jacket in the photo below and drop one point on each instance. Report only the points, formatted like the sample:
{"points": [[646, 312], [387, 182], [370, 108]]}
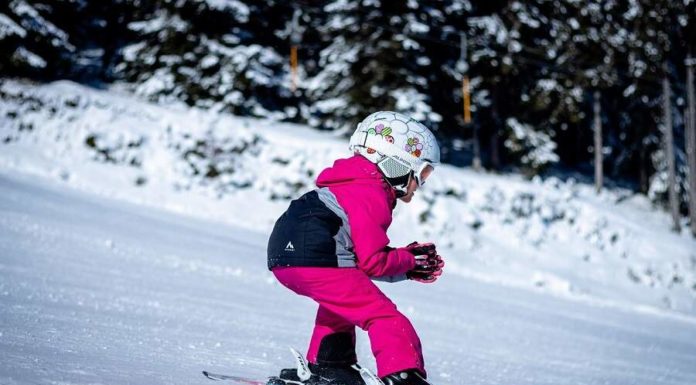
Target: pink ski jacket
{"points": [[368, 201]]}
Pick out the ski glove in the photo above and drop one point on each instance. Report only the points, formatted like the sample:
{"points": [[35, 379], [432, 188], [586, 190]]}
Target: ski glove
{"points": [[428, 263]]}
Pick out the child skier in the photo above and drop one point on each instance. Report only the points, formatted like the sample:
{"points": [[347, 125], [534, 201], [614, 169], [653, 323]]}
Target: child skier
{"points": [[332, 241]]}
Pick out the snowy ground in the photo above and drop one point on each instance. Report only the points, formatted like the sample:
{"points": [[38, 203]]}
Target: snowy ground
{"points": [[130, 254], [99, 291], [553, 236]]}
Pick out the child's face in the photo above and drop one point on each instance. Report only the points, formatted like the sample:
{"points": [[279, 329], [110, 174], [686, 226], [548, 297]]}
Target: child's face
{"points": [[413, 185]]}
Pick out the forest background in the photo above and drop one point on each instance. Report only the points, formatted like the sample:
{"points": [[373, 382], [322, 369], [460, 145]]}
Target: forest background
{"points": [[594, 90]]}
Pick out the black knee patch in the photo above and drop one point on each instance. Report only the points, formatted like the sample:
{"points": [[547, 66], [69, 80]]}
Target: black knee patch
{"points": [[337, 350]]}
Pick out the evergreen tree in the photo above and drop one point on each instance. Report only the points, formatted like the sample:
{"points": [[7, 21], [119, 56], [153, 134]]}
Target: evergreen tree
{"points": [[207, 53], [367, 61], [62, 39], [533, 66], [31, 42], [515, 95]]}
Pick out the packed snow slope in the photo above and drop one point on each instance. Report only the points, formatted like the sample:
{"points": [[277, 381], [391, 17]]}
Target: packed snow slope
{"points": [[99, 291], [553, 236], [132, 250]]}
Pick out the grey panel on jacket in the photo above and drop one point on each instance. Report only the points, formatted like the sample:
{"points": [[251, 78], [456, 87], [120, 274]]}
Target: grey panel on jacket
{"points": [[344, 243], [390, 278]]}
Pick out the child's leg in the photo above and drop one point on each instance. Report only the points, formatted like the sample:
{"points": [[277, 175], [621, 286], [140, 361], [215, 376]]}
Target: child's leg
{"points": [[333, 340], [351, 295]]}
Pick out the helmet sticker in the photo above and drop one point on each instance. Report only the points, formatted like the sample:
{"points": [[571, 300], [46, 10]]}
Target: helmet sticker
{"points": [[381, 130], [414, 147]]}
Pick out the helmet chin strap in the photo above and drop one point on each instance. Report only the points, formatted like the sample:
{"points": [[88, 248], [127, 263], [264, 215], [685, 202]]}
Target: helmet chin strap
{"points": [[399, 192]]}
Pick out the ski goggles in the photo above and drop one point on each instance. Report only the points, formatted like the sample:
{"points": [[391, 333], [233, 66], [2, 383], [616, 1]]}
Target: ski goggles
{"points": [[418, 175]]}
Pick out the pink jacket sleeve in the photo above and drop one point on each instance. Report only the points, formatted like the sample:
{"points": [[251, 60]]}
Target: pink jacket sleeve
{"points": [[369, 220]]}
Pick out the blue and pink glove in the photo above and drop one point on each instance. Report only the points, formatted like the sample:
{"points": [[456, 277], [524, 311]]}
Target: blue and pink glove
{"points": [[428, 263]]}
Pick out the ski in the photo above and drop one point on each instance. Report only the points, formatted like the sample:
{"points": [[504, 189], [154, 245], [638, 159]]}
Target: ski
{"points": [[300, 377], [237, 379], [248, 381]]}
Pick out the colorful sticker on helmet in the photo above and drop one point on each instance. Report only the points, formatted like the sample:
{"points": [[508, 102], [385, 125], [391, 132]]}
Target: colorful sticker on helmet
{"points": [[414, 147], [381, 130]]}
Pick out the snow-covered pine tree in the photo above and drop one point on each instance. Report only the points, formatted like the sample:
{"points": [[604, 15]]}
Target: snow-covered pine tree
{"points": [[213, 54], [587, 50], [74, 40], [31, 42], [658, 51], [370, 58], [637, 95], [515, 90], [690, 139]]}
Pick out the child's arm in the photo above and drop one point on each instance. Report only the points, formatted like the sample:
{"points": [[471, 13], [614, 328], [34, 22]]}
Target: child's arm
{"points": [[368, 223], [388, 262]]}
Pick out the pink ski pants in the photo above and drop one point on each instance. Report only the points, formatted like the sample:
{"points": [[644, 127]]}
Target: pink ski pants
{"points": [[348, 298]]}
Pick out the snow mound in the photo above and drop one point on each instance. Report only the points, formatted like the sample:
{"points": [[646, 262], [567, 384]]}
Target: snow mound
{"points": [[555, 236]]}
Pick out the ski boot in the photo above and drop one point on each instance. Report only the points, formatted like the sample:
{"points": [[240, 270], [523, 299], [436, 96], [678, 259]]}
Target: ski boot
{"points": [[336, 364], [337, 361], [320, 375], [406, 377]]}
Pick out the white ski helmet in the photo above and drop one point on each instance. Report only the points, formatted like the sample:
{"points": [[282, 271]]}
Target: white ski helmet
{"points": [[399, 145]]}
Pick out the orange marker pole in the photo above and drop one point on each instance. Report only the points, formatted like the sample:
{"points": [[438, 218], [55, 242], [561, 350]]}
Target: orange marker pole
{"points": [[466, 100], [293, 66]]}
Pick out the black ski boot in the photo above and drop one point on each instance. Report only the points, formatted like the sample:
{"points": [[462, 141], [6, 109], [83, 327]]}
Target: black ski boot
{"points": [[337, 375], [336, 363], [322, 375], [406, 377]]}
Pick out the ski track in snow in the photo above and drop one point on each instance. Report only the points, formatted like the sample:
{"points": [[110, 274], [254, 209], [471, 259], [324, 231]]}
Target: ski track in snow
{"points": [[97, 291]]}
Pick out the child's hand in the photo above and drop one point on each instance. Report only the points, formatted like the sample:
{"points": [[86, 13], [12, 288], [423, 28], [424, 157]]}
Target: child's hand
{"points": [[428, 263], [421, 248]]}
